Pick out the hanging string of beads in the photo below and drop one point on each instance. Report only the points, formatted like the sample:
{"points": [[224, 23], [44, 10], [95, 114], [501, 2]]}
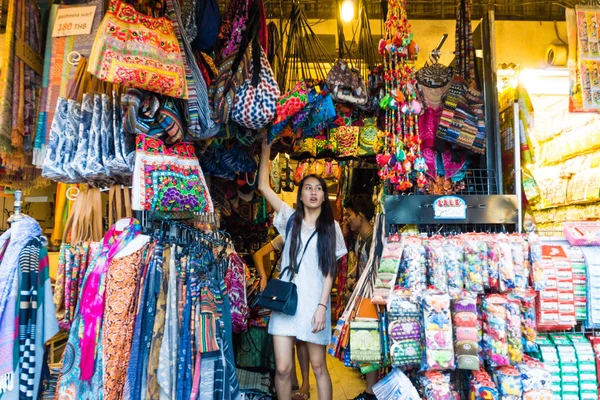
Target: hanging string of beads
{"points": [[401, 162]]}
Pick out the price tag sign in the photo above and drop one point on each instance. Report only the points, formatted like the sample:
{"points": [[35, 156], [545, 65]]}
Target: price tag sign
{"points": [[449, 207], [72, 21]]}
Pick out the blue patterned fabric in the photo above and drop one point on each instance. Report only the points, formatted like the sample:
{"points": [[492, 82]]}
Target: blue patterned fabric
{"points": [[107, 142], [52, 167], [94, 168], [71, 135], [80, 160]]}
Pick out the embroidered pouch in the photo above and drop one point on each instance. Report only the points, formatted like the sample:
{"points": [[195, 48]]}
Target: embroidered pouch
{"points": [[347, 139], [365, 341], [291, 102], [168, 179], [368, 138], [135, 50]]}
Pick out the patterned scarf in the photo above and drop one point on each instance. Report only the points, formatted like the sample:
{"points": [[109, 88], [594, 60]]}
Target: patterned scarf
{"points": [[29, 264], [136, 376], [92, 298], [167, 372], [11, 244]]}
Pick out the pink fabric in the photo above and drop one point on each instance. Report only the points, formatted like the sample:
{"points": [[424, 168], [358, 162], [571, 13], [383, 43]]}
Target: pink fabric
{"points": [[196, 381], [428, 126], [93, 294]]}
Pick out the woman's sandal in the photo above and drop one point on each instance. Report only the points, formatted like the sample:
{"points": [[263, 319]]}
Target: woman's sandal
{"points": [[301, 396]]}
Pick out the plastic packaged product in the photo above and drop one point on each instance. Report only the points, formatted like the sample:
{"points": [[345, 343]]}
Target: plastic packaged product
{"points": [[473, 265], [413, 266], [535, 257], [536, 380], [396, 385], [437, 325], [506, 266], [495, 343], [521, 270], [528, 318], [438, 277], [482, 387], [437, 386], [513, 331], [493, 261], [453, 258], [508, 382], [404, 330], [466, 332]]}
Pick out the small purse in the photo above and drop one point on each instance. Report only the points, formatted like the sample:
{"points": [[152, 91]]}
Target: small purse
{"points": [[347, 139], [282, 296], [367, 140], [291, 103], [138, 51], [346, 85], [168, 179]]}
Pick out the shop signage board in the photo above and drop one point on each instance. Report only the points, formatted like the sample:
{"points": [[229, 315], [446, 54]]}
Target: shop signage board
{"points": [[73, 21], [453, 209], [449, 207]]}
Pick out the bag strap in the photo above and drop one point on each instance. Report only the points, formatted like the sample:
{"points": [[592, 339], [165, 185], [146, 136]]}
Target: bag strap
{"points": [[96, 218], [293, 272], [73, 216], [127, 202]]}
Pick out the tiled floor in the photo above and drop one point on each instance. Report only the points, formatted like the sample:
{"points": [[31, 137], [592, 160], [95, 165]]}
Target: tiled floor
{"points": [[347, 382]]}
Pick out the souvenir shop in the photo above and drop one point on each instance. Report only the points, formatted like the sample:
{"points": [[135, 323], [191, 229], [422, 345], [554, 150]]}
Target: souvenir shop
{"points": [[132, 260]]}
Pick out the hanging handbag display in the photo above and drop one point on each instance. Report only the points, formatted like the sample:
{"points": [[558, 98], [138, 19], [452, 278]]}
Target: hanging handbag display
{"points": [[346, 84], [282, 296], [135, 50], [291, 103], [168, 179], [367, 140], [347, 140], [256, 99]]}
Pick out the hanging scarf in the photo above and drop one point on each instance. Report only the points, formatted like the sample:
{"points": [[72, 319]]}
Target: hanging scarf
{"points": [[29, 264], [169, 351], [11, 244], [92, 298], [136, 376]]}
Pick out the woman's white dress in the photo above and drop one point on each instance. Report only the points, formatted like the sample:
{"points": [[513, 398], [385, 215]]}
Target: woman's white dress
{"points": [[309, 281]]}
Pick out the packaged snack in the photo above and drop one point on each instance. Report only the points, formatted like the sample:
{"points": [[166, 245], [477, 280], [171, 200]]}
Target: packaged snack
{"points": [[495, 343], [453, 258], [437, 325]]}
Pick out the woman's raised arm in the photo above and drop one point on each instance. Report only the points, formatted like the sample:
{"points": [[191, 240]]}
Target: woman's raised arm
{"points": [[264, 184]]}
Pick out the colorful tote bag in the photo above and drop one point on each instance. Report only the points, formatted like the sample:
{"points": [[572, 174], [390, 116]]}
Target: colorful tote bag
{"points": [[292, 102], [347, 140], [256, 100], [367, 140], [168, 179], [135, 50]]}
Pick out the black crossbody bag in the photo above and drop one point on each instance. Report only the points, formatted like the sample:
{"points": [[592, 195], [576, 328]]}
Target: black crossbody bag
{"points": [[282, 296]]}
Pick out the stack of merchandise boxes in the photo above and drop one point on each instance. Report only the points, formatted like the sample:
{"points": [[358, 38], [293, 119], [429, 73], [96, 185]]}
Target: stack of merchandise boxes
{"points": [[556, 305], [549, 356], [578, 266], [588, 384], [569, 369]]}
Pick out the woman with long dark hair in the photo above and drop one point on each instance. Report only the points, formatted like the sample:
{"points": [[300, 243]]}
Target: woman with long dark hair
{"points": [[313, 244]]}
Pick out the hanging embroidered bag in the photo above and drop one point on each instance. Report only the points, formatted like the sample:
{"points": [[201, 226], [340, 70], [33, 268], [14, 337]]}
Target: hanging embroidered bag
{"points": [[256, 100], [346, 85], [168, 179], [135, 50], [287, 181], [347, 139], [291, 103], [367, 140], [235, 280]]}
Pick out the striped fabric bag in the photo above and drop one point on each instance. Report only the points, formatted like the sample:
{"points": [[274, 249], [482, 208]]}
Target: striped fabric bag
{"points": [[200, 125]]}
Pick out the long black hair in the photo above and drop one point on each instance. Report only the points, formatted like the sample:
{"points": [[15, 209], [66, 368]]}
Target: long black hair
{"points": [[326, 234]]}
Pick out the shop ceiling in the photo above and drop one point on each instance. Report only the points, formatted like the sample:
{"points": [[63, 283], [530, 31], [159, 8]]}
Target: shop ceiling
{"points": [[517, 10]]}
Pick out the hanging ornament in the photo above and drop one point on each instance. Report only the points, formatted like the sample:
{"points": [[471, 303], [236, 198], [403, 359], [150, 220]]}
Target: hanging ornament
{"points": [[402, 147]]}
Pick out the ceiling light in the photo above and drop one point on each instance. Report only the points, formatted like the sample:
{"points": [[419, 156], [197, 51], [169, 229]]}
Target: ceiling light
{"points": [[347, 10]]}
